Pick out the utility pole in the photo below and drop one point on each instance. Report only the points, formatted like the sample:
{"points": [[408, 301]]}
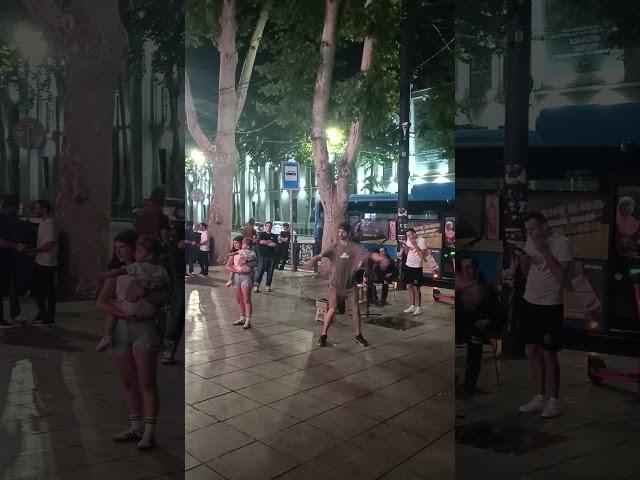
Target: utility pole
{"points": [[516, 152], [406, 51]]}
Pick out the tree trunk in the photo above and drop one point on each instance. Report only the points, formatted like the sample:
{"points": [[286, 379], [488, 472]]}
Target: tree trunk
{"points": [[333, 195], [137, 132], [92, 41], [14, 150], [124, 192], [177, 149], [4, 173]]}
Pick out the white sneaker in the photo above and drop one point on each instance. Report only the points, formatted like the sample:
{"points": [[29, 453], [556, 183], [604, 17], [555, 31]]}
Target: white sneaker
{"points": [[247, 324], [268, 289], [240, 321], [411, 309], [417, 311], [537, 405], [552, 409], [256, 290]]}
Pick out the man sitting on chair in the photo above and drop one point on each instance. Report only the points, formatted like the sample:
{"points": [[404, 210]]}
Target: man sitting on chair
{"points": [[480, 317], [384, 276]]}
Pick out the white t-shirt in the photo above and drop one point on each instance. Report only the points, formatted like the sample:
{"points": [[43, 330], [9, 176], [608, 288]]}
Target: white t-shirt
{"points": [[47, 233], [204, 237], [542, 287], [413, 259]]}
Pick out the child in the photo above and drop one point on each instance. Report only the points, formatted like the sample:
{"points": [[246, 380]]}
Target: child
{"points": [[242, 265], [237, 246], [146, 275]]}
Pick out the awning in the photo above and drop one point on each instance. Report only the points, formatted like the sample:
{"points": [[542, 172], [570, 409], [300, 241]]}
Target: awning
{"points": [[424, 192]]}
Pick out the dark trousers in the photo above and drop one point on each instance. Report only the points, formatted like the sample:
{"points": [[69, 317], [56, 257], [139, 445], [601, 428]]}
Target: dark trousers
{"points": [[265, 265], [474, 339], [188, 257], [284, 256], [45, 291], [372, 292], [175, 328], [204, 262], [9, 287]]}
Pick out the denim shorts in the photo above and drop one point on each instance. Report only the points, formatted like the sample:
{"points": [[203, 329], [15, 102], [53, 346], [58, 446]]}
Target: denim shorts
{"points": [[242, 279], [135, 334]]}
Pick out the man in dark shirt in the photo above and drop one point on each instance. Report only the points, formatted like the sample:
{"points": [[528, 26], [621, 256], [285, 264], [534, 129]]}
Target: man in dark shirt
{"points": [[346, 257], [151, 220], [267, 244], [10, 247], [175, 327], [284, 240], [384, 276]]}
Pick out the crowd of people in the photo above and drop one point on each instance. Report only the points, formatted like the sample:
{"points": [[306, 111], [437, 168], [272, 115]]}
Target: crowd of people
{"points": [[141, 294]]}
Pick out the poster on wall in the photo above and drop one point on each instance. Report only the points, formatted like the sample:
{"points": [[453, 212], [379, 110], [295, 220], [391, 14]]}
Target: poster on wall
{"points": [[431, 231], [584, 296], [492, 216]]}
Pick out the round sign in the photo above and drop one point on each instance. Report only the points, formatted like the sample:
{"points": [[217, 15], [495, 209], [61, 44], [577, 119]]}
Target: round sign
{"points": [[29, 134], [197, 195]]}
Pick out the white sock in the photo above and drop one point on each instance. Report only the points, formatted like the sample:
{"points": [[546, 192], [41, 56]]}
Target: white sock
{"points": [[136, 422]]}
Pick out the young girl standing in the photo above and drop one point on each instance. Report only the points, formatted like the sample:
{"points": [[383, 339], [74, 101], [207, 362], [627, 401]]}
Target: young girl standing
{"points": [[242, 265]]}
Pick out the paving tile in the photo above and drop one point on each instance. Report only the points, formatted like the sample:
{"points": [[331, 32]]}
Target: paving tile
{"points": [[214, 441], [375, 406], [302, 442], [268, 392], [272, 370], [201, 390], [391, 443], [227, 406], [255, 461], [349, 462], [262, 422], [195, 419], [238, 380], [342, 423], [302, 406]]}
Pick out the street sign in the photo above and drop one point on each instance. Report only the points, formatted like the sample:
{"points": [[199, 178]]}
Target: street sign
{"points": [[197, 195], [290, 177], [29, 134]]}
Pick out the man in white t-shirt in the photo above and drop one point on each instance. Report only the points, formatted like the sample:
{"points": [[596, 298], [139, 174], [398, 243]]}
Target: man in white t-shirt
{"points": [[46, 264], [546, 261], [415, 249], [204, 249]]}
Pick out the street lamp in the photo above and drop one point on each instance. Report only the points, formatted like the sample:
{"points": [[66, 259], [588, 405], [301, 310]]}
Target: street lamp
{"points": [[198, 157]]}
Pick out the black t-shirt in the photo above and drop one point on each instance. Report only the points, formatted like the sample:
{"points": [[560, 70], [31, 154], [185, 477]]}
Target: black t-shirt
{"points": [[266, 250], [284, 246]]}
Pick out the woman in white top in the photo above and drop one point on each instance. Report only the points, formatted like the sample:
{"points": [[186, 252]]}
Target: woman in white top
{"points": [[136, 345]]}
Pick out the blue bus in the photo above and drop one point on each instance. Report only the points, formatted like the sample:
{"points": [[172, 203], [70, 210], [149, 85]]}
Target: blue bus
{"points": [[431, 207]]}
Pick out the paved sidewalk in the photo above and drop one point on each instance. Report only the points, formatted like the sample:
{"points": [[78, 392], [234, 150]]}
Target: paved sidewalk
{"points": [[597, 437], [60, 403], [267, 403]]}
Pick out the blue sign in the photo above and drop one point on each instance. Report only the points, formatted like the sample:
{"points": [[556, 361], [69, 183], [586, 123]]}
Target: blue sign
{"points": [[290, 177]]}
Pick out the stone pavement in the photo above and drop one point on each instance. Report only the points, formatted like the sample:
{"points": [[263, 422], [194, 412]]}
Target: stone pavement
{"points": [[60, 403], [268, 403], [597, 437]]}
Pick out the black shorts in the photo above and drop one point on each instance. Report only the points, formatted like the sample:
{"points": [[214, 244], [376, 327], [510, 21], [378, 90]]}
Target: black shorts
{"points": [[542, 325], [413, 276]]}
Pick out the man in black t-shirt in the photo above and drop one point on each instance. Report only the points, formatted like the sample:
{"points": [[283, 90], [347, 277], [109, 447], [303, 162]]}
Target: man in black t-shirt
{"points": [[284, 240], [267, 244], [10, 247]]}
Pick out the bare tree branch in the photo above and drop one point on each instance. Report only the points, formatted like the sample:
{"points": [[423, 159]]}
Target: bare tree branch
{"points": [[192, 120], [247, 66]]}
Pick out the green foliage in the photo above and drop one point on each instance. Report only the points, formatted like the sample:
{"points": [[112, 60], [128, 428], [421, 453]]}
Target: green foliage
{"points": [[480, 30]]}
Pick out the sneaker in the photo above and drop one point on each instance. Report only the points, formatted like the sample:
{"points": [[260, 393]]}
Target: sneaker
{"points": [[103, 344], [362, 341], [228, 284], [128, 435], [256, 290], [537, 405], [247, 324], [411, 309], [147, 442], [5, 324], [552, 409], [240, 321], [417, 311], [268, 289], [322, 342]]}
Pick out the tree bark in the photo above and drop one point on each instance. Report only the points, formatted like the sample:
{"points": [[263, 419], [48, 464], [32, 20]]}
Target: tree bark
{"points": [[247, 66], [4, 173], [92, 42], [124, 192], [333, 195]]}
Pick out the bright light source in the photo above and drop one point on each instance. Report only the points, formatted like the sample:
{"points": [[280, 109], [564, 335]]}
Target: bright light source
{"points": [[198, 157], [608, 97], [284, 194], [419, 181], [30, 44], [334, 136], [393, 187], [255, 197], [594, 325], [302, 194], [443, 169], [442, 180]]}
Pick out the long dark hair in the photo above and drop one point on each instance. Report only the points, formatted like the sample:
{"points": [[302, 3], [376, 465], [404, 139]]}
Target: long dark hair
{"points": [[129, 238]]}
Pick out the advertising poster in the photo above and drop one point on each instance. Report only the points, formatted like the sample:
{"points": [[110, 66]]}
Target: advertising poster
{"points": [[431, 231]]}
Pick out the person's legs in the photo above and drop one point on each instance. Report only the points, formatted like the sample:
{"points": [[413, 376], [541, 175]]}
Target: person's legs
{"points": [[332, 304], [352, 298], [126, 368], [50, 293], [417, 295], [552, 373], [14, 297], [146, 362], [385, 292], [473, 362], [239, 302], [536, 364], [262, 268], [245, 288], [271, 265], [39, 291]]}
